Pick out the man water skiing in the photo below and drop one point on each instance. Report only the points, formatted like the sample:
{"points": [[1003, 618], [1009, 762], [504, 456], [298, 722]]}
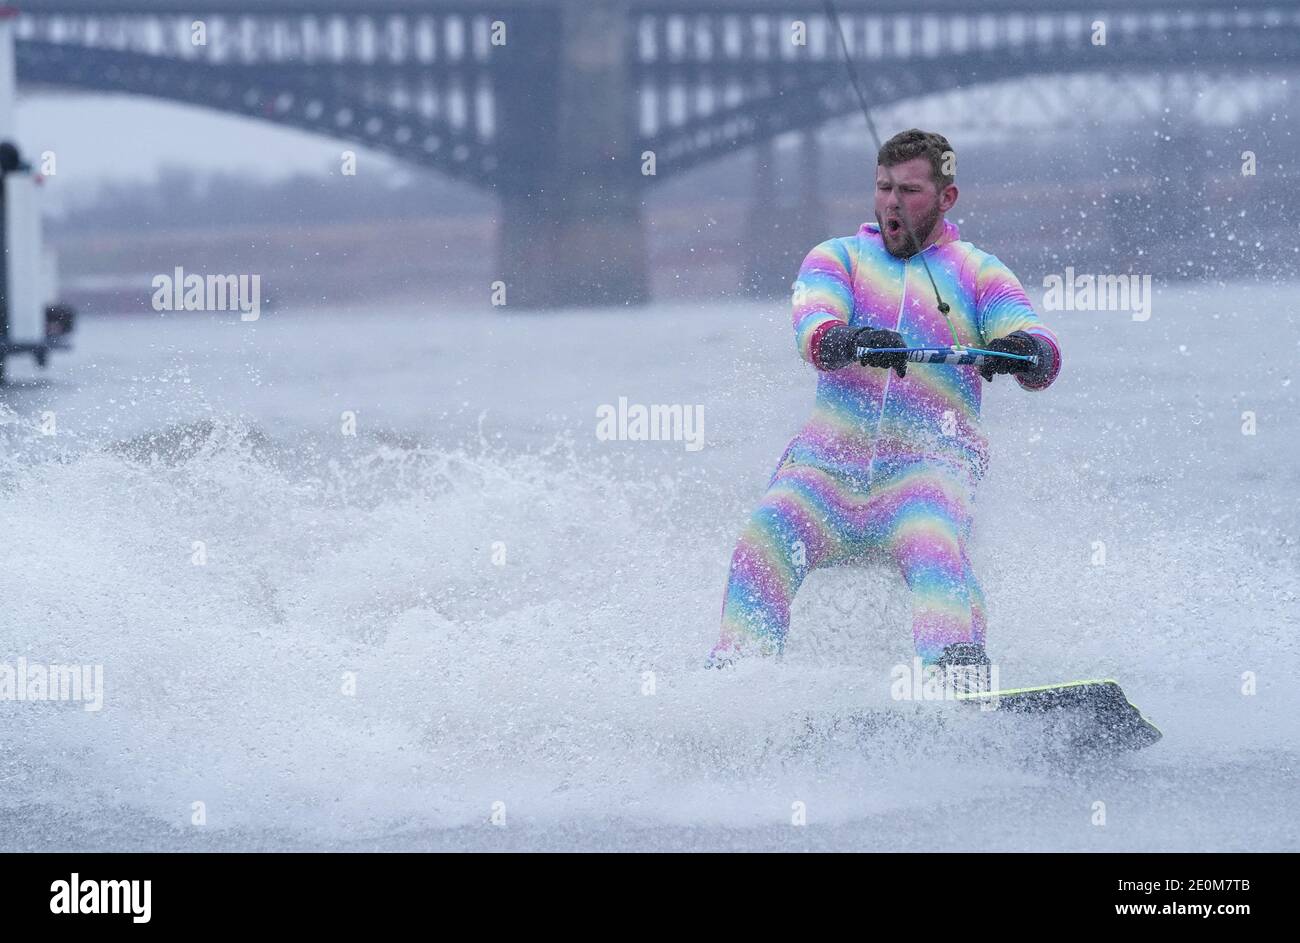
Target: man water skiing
{"points": [[891, 457]]}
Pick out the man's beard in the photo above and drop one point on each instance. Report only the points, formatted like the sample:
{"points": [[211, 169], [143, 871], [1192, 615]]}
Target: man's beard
{"points": [[911, 242]]}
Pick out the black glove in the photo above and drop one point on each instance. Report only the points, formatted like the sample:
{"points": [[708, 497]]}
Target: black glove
{"points": [[1016, 343], [875, 337], [839, 346]]}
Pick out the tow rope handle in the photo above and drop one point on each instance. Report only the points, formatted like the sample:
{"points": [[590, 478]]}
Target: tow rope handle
{"points": [[975, 356]]}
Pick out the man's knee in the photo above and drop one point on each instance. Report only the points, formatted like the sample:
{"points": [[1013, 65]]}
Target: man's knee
{"points": [[932, 559]]}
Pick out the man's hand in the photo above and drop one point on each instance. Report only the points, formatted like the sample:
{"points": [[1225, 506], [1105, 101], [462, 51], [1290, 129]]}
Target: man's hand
{"points": [[1016, 343], [836, 347], [840, 344], [876, 337]]}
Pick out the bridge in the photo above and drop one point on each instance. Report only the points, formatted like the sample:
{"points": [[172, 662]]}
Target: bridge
{"points": [[570, 110]]}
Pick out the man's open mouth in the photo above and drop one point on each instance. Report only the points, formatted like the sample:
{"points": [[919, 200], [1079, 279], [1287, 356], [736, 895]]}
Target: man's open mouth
{"points": [[893, 226]]}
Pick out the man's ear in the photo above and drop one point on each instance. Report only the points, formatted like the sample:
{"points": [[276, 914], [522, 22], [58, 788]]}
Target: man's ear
{"points": [[948, 198]]}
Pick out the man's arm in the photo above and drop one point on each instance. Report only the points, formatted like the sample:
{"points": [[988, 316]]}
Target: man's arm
{"points": [[822, 299], [1003, 308]]}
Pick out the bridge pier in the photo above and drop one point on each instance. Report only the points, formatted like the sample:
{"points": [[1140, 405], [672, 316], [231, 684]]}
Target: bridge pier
{"points": [[780, 232], [571, 230]]}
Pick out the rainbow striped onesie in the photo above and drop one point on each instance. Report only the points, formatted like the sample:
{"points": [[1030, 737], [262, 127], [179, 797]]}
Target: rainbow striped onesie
{"points": [[885, 464]]}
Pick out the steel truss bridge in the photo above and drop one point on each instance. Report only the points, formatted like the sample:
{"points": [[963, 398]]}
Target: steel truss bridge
{"points": [[569, 110]]}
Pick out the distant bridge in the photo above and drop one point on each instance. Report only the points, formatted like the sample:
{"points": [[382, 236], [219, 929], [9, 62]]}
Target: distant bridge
{"points": [[559, 106]]}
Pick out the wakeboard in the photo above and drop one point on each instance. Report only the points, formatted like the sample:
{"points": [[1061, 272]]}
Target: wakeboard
{"points": [[1088, 716]]}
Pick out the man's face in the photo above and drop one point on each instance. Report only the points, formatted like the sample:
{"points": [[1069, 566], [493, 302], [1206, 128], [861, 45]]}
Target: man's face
{"points": [[909, 188]]}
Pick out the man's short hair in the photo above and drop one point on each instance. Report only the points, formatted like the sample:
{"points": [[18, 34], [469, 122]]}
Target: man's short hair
{"points": [[914, 142]]}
